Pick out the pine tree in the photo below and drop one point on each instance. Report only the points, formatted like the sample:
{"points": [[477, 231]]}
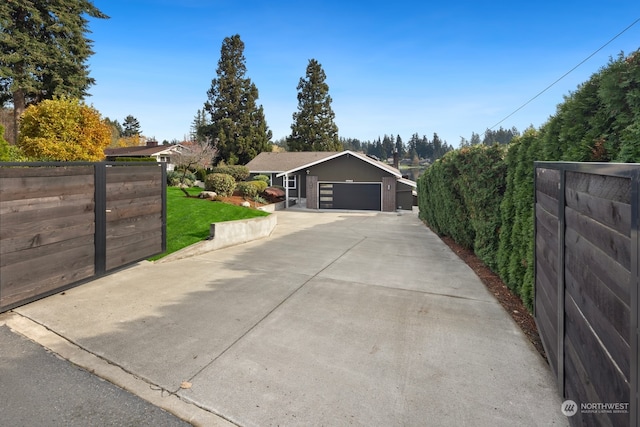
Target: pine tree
{"points": [[400, 148], [313, 127], [200, 122], [43, 50], [131, 127], [238, 127]]}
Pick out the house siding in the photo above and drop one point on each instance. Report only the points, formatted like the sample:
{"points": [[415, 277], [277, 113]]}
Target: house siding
{"points": [[404, 196], [347, 167]]}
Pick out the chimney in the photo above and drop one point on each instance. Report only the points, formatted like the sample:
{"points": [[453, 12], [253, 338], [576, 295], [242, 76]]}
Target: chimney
{"points": [[395, 158], [152, 143]]}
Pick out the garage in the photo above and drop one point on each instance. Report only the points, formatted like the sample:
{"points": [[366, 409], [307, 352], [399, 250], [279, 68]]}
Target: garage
{"points": [[343, 180], [350, 195]]}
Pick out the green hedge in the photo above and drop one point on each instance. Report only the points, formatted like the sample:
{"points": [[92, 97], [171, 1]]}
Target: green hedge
{"points": [[483, 197], [459, 196], [135, 159]]}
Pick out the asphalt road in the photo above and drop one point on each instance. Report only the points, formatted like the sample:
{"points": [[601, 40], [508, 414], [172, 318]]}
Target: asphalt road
{"points": [[38, 388]]}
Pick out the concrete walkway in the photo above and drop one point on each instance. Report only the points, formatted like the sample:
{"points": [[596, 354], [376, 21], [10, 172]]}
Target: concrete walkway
{"points": [[335, 319]]}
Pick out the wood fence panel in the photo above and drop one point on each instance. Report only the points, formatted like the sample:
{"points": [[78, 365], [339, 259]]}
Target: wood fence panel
{"points": [[590, 369], [588, 195], [55, 233], [548, 182], [47, 229], [546, 262], [134, 217], [36, 182], [597, 354]]}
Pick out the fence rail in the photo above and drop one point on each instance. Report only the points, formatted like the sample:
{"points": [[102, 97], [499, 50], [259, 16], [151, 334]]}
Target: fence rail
{"points": [[586, 276], [65, 223]]}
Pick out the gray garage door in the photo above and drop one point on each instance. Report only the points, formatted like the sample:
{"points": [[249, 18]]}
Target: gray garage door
{"points": [[350, 195]]}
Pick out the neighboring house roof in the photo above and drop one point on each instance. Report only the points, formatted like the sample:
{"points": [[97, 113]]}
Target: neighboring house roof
{"points": [[139, 151], [289, 162]]}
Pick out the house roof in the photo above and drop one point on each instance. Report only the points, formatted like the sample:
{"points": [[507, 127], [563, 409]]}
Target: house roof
{"points": [[289, 162], [279, 162], [408, 182], [141, 151]]}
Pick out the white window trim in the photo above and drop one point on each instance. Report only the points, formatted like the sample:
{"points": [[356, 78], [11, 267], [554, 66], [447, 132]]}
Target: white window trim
{"points": [[289, 179]]}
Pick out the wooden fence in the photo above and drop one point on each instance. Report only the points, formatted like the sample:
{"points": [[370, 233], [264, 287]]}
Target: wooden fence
{"points": [[62, 224], [586, 285]]}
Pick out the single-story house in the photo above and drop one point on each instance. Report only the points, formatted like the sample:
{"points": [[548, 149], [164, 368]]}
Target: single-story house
{"points": [[336, 180], [162, 153]]}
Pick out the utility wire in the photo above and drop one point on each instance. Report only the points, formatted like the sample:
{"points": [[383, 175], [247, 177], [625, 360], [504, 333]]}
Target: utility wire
{"points": [[567, 73]]}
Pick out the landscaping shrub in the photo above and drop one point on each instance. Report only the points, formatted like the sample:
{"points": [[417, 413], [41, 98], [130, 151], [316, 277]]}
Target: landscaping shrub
{"points": [[223, 184], [247, 189], [260, 185], [174, 177], [201, 174], [238, 172], [264, 178]]}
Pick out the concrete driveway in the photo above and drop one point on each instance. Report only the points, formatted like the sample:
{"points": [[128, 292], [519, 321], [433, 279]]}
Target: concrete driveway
{"points": [[338, 318]]}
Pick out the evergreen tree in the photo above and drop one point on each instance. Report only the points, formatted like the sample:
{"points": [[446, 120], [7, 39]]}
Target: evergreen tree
{"points": [[238, 127], [400, 147], [131, 127], [388, 145], [43, 50], [412, 146], [439, 148], [200, 122], [500, 136], [313, 127], [424, 148]]}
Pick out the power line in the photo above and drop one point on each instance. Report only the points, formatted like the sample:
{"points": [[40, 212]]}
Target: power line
{"points": [[567, 73]]}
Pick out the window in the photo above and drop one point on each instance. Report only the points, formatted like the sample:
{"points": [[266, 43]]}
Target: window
{"points": [[291, 181]]}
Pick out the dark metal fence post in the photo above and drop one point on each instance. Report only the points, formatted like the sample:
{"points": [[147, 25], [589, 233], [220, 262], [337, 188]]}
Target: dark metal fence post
{"points": [[163, 186], [100, 218], [634, 360], [561, 278]]}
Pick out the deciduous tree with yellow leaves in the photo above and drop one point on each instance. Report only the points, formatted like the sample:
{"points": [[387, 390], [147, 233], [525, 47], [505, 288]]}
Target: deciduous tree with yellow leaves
{"points": [[63, 129]]}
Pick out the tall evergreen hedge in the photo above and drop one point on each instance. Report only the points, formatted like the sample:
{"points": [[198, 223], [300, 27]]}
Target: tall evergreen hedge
{"points": [[459, 196], [482, 197]]}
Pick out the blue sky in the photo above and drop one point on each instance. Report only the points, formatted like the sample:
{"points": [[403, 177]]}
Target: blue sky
{"points": [[392, 67]]}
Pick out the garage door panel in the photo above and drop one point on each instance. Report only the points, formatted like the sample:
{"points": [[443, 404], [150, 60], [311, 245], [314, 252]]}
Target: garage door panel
{"points": [[353, 196]]}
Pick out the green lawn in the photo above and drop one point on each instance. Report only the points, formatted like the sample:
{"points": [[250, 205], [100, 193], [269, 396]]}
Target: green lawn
{"points": [[188, 219]]}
